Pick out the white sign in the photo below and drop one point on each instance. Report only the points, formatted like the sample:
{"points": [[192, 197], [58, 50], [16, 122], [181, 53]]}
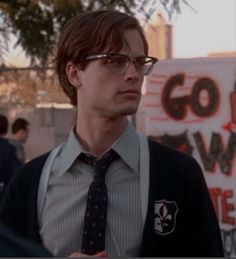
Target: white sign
{"points": [[190, 104]]}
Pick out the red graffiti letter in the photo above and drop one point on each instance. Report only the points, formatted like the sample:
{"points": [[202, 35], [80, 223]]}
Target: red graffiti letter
{"points": [[227, 207]]}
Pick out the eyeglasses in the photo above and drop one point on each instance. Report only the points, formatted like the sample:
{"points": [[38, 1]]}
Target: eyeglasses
{"points": [[119, 63]]}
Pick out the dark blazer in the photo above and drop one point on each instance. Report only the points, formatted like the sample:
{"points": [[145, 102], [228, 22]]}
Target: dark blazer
{"points": [[11, 244], [180, 221], [8, 163]]}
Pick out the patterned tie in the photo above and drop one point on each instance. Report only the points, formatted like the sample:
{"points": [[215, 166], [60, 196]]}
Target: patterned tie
{"points": [[93, 240]]}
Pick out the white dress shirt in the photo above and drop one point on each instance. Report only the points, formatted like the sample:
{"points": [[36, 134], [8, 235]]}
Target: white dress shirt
{"points": [[61, 220]]}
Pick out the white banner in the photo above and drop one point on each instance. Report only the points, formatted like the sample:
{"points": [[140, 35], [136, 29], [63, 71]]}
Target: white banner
{"points": [[190, 104]]}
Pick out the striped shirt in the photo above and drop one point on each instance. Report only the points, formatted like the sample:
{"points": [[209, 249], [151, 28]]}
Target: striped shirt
{"points": [[61, 223]]}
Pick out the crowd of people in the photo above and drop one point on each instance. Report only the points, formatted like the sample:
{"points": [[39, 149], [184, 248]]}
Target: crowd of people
{"points": [[107, 191]]}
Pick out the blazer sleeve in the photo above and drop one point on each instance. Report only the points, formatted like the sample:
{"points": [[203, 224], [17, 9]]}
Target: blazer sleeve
{"points": [[18, 209], [204, 232], [13, 207]]}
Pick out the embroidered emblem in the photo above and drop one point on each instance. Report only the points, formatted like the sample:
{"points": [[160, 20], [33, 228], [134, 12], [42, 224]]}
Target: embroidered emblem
{"points": [[165, 217]]}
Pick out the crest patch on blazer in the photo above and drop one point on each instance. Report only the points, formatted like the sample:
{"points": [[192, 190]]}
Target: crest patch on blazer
{"points": [[165, 217]]}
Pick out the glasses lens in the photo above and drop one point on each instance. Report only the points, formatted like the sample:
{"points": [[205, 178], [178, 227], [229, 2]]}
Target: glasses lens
{"points": [[148, 66], [140, 63], [117, 63], [147, 69]]}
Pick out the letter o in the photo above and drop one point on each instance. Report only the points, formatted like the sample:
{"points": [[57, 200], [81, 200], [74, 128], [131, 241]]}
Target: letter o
{"points": [[208, 85]]}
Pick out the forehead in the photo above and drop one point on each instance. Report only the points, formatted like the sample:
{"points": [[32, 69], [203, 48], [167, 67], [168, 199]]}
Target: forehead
{"points": [[133, 43], [128, 42]]}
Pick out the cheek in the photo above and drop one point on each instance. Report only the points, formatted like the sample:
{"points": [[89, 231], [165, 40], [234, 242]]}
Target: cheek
{"points": [[141, 78], [103, 85]]}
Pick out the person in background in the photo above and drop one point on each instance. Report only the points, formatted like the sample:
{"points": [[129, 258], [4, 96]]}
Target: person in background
{"points": [[8, 159], [109, 191], [20, 133]]}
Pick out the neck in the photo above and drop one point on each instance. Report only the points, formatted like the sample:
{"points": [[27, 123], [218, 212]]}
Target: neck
{"points": [[16, 137], [98, 134]]}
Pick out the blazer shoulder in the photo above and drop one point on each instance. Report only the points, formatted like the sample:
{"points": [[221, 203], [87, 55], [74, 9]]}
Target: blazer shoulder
{"points": [[168, 152], [172, 161], [32, 168], [38, 161]]}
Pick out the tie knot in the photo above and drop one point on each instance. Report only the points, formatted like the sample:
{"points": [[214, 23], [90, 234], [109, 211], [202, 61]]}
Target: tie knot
{"points": [[101, 165], [87, 159]]}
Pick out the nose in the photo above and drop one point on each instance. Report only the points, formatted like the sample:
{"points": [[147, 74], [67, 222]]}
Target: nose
{"points": [[131, 74]]}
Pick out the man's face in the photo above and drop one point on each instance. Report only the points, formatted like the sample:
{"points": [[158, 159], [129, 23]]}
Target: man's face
{"points": [[108, 93], [23, 135]]}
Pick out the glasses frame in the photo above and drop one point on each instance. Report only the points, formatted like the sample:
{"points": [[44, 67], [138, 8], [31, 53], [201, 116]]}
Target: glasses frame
{"points": [[146, 69]]}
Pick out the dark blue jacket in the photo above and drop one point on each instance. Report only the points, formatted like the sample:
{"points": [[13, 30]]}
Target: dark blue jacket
{"points": [[8, 162], [180, 222], [11, 244]]}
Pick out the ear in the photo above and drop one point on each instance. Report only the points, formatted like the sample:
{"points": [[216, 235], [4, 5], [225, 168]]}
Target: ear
{"points": [[73, 73]]}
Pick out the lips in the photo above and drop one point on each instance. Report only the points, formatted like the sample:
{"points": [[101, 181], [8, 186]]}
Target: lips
{"points": [[129, 92]]}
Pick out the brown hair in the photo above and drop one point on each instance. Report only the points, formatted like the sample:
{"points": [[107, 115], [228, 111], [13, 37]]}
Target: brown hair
{"points": [[19, 124], [90, 33]]}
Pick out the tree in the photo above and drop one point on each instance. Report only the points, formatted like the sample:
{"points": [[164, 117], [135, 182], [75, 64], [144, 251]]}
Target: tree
{"points": [[37, 23]]}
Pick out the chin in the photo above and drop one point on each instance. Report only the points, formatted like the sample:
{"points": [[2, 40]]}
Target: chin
{"points": [[128, 111]]}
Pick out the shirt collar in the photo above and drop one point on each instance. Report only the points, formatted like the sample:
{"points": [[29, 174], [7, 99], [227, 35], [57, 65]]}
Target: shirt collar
{"points": [[70, 152], [128, 153], [127, 146]]}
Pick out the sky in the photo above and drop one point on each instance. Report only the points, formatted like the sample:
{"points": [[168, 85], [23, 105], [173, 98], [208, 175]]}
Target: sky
{"points": [[212, 28]]}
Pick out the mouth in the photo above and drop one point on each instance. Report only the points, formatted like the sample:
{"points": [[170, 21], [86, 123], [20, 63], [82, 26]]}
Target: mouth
{"points": [[130, 92]]}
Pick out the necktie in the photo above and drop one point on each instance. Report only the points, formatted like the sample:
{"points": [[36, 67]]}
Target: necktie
{"points": [[93, 240]]}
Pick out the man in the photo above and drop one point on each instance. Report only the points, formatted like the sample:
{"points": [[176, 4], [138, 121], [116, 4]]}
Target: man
{"points": [[8, 159], [20, 133], [150, 200]]}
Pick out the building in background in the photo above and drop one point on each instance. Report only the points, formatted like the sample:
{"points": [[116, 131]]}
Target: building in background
{"points": [[159, 36], [222, 54]]}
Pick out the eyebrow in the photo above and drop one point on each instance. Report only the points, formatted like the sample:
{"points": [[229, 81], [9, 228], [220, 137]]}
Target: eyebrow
{"points": [[139, 56]]}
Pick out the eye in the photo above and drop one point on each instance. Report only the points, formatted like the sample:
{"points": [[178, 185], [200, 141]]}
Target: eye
{"points": [[116, 60], [140, 61]]}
